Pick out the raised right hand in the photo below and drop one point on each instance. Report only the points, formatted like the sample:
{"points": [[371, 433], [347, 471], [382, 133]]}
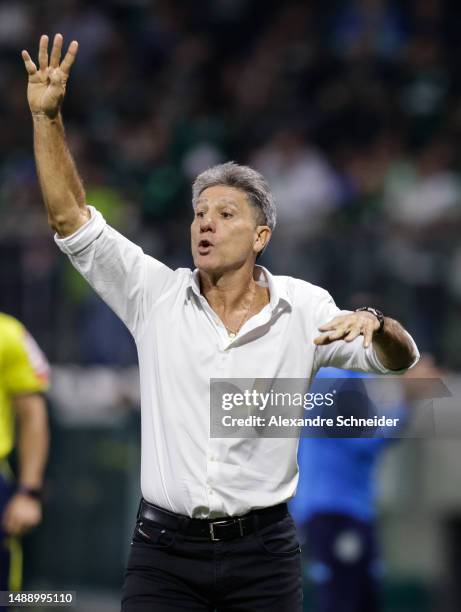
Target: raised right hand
{"points": [[47, 85]]}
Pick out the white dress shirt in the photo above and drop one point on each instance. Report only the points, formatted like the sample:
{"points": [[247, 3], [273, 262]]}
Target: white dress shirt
{"points": [[181, 344]]}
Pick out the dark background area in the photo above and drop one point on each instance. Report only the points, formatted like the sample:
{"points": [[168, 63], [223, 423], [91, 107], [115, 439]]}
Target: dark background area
{"points": [[350, 109]]}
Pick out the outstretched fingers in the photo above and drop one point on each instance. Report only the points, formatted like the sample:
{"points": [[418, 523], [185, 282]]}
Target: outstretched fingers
{"points": [[331, 324], [43, 52], [28, 63], [367, 337], [56, 51], [353, 334], [69, 58], [54, 58], [329, 337]]}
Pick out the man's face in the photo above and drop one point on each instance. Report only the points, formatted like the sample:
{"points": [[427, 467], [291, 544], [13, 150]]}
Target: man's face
{"points": [[224, 229]]}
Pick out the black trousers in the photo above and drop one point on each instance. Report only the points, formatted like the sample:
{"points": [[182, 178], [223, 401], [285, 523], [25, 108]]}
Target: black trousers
{"points": [[344, 566], [168, 571]]}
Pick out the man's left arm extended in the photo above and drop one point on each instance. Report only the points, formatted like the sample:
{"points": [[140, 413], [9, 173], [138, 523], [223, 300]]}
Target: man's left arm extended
{"points": [[24, 510], [393, 345]]}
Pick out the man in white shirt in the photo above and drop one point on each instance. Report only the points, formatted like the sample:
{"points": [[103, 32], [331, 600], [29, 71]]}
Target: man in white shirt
{"points": [[213, 530]]}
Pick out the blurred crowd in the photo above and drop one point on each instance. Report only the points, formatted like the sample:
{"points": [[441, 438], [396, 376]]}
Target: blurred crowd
{"points": [[351, 110]]}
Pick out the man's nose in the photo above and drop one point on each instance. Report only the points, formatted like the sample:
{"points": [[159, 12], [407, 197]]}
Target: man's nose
{"points": [[207, 223]]}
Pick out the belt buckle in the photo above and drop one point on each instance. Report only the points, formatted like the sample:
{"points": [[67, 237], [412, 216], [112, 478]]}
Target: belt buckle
{"points": [[211, 527]]}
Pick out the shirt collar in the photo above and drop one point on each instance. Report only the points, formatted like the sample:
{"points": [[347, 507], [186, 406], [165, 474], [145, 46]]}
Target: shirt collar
{"points": [[277, 285]]}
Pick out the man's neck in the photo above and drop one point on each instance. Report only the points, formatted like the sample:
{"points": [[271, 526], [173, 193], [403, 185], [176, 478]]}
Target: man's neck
{"points": [[229, 291]]}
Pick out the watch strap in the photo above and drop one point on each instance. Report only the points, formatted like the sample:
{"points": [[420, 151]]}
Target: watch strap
{"points": [[34, 492]]}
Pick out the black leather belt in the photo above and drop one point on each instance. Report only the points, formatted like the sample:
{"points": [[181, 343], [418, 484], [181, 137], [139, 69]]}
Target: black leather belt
{"points": [[225, 528]]}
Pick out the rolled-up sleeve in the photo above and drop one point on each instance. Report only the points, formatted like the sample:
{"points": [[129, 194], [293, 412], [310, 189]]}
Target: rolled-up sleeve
{"points": [[351, 355], [127, 279]]}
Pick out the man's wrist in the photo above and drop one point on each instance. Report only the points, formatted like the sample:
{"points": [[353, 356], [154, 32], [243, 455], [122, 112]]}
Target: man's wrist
{"points": [[33, 492], [40, 116]]}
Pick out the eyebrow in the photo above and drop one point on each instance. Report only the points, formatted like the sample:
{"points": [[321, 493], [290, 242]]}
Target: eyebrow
{"points": [[222, 201]]}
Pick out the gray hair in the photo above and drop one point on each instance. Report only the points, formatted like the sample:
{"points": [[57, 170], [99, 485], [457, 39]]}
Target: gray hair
{"points": [[241, 177]]}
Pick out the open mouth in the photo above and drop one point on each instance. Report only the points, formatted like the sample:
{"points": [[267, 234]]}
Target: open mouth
{"points": [[204, 246]]}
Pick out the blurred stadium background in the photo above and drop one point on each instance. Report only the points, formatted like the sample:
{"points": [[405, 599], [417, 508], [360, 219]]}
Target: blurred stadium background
{"points": [[352, 111]]}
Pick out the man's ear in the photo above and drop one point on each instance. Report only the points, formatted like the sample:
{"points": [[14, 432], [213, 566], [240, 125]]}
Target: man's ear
{"points": [[263, 236]]}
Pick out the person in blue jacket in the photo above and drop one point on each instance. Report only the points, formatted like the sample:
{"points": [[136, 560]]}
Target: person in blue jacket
{"points": [[334, 509]]}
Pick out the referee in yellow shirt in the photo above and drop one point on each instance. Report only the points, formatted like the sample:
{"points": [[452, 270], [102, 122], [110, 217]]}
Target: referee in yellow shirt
{"points": [[24, 373]]}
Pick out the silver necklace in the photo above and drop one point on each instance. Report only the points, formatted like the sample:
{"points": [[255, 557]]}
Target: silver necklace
{"points": [[233, 333]]}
